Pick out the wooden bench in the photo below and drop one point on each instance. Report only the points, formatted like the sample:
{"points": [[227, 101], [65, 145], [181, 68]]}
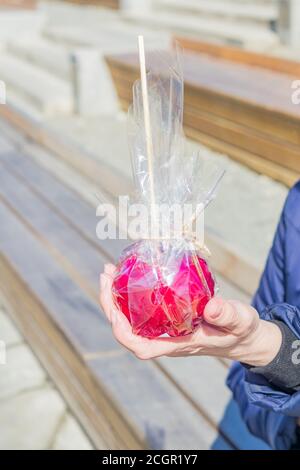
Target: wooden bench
{"points": [[237, 103], [229, 28], [26, 4], [259, 12], [114, 4], [50, 260]]}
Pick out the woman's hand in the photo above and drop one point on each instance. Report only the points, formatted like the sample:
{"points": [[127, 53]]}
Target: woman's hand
{"points": [[230, 329]]}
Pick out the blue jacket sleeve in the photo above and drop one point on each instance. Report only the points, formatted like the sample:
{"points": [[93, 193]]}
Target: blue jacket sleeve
{"points": [[269, 413], [259, 390], [277, 430]]}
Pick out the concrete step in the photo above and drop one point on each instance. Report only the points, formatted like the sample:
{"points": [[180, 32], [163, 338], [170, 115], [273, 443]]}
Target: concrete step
{"points": [[20, 23], [48, 94], [92, 21], [247, 11], [22, 105], [231, 31], [53, 58], [89, 16], [110, 39]]}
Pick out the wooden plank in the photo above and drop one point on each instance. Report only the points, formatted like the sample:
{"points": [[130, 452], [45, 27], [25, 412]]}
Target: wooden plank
{"points": [[258, 127], [77, 256], [56, 291], [228, 290], [114, 4], [166, 420], [5, 145], [253, 86], [245, 157], [66, 202], [109, 179], [255, 162], [259, 119], [230, 107], [241, 56], [273, 149], [18, 4], [202, 380]]}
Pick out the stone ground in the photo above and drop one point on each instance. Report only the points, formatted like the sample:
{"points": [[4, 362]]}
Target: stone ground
{"points": [[33, 414]]}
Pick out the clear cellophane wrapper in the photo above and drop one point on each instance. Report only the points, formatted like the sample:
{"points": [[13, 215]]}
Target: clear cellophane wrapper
{"points": [[163, 280]]}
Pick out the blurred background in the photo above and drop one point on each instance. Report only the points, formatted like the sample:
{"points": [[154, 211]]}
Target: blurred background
{"points": [[66, 74]]}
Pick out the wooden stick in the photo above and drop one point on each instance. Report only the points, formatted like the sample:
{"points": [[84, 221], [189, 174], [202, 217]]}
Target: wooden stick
{"points": [[148, 131]]}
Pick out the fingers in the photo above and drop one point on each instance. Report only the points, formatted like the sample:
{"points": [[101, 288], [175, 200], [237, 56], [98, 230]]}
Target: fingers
{"points": [[232, 319], [110, 269], [143, 348], [105, 296], [233, 316], [122, 330]]}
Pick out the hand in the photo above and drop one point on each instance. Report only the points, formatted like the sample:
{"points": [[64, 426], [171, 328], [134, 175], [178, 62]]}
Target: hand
{"points": [[230, 329]]}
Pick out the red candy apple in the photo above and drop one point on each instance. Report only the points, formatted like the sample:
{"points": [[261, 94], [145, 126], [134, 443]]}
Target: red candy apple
{"points": [[168, 296]]}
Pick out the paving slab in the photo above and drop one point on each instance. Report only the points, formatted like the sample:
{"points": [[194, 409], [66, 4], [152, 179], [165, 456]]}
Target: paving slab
{"points": [[33, 415], [70, 436], [8, 332], [21, 372], [30, 420], [49, 93]]}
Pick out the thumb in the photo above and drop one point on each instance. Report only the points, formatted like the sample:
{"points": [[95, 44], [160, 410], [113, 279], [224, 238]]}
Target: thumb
{"points": [[232, 315]]}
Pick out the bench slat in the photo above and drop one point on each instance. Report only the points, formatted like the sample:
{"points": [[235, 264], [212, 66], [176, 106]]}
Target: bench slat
{"points": [[5, 145], [74, 253], [242, 110], [66, 202], [75, 314], [203, 380], [165, 417]]}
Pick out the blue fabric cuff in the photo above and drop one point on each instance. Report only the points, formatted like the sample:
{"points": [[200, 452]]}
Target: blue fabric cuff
{"points": [[258, 389]]}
